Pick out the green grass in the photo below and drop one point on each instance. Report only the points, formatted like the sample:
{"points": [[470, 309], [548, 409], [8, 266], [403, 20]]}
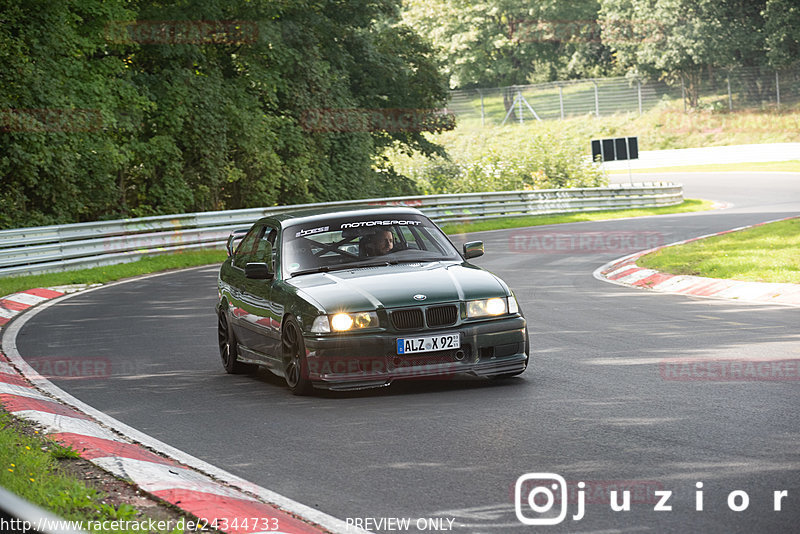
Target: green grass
{"points": [[768, 166], [552, 149], [30, 470], [688, 205], [662, 124], [99, 275], [767, 253]]}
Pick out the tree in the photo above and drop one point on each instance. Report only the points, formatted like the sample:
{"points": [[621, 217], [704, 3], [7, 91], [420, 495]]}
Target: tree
{"points": [[680, 38], [62, 87], [203, 105], [505, 42], [782, 30]]}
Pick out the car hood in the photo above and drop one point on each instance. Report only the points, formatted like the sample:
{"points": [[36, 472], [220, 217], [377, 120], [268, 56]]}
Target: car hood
{"points": [[394, 286]]}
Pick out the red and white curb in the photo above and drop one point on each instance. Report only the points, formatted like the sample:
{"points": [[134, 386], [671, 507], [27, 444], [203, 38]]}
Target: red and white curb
{"points": [[19, 302], [624, 271], [201, 489]]}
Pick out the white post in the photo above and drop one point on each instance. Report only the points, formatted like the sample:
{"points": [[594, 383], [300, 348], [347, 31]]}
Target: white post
{"points": [[561, 101], [639, 91], [778, 89], [596, 100], [730, 98], [483, 114], [683, 94]]}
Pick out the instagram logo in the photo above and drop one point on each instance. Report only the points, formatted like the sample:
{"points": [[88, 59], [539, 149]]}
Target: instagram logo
{"points": [[540, 498]]}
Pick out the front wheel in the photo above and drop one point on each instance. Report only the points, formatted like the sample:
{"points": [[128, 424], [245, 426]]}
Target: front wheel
{"points": [[295, 364], [229, 348]]}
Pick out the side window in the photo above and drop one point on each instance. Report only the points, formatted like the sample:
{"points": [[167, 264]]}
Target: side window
{"points": [[248, 248], [261, 247], [417, 239]]}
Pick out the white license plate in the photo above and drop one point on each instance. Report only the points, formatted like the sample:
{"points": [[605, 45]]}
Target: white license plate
{"points": [[413, 345]]}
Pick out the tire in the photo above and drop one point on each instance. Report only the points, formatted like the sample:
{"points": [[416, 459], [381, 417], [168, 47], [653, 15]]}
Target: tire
{"points": [[295, 365], [228, 348]]}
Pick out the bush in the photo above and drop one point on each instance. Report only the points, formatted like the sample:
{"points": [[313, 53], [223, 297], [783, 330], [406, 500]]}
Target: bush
{"points": [[502, 159]]}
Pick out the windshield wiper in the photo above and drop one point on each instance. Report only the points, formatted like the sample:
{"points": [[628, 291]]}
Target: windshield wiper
{"points": [[321, 269], [344, 267]]}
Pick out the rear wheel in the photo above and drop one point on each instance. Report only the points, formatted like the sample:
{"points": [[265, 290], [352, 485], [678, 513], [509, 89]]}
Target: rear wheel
{"points": [[228, 348], [295, 364]]}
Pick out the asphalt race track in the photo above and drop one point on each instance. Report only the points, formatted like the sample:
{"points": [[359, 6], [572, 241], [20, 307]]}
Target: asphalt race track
{"points": [[598, 405]]}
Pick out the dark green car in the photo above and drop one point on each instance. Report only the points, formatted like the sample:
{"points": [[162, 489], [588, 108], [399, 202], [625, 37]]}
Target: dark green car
{"points": [[354, 299]]}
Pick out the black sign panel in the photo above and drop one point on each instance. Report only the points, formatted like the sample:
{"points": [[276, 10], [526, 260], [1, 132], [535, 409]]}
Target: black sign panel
{"points": [[596, 150], [620, 148], [633, 148]]}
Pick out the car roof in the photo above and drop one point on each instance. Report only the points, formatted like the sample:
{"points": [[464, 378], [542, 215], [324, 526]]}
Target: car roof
{"points": [[312, 215]]}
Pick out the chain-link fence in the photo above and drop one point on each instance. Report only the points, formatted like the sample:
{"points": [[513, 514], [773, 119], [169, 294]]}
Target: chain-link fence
{"points": [[718, 90]]}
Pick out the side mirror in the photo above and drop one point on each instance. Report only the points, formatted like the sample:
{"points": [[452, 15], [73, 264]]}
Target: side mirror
{"points": [[258, 271], [473, 249]]}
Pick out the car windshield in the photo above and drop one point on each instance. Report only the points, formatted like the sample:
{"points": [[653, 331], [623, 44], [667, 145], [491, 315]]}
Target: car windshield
{"points": [[343, 242]]}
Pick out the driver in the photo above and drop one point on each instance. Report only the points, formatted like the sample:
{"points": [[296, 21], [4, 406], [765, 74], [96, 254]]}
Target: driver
{"points": [[379, 243]]}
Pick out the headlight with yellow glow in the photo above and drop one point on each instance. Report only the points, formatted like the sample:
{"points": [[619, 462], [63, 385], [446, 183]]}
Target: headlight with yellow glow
{"points": [[487, 307], [343, 322]]}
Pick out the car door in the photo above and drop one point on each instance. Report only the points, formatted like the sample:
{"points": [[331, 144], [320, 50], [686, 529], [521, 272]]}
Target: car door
{"points": [[240, 299], [260, 325]]}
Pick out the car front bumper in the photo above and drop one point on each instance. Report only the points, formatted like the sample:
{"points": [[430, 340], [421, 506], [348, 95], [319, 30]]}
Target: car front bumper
{"points": [[358, 361]]}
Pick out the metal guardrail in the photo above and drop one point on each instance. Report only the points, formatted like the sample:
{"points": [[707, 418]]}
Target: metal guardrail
{"points": [[75, 246], [18, 516]]}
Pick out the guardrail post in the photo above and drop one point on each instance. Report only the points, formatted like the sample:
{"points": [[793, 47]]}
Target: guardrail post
{"points": [[596, 100], [561, 100]]}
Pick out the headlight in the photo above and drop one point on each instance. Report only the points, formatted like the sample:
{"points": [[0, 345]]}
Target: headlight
{"points": [[486, 307], [342, 322]]}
